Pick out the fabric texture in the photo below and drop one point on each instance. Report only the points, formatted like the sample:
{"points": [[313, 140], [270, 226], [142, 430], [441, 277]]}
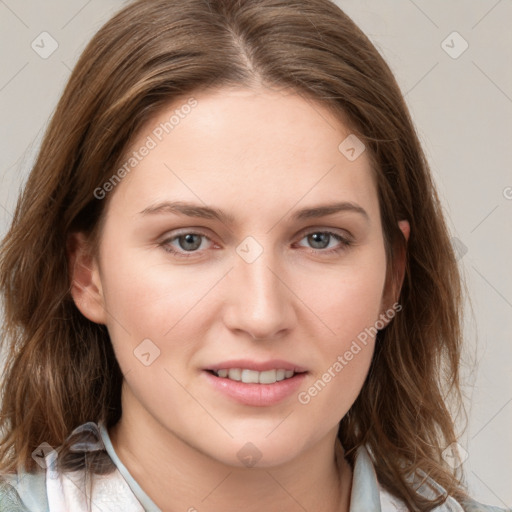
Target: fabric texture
{"points": [[49, 490]]}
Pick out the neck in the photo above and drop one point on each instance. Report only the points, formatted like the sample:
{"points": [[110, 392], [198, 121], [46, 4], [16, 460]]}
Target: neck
{"points": [[179, 477]]}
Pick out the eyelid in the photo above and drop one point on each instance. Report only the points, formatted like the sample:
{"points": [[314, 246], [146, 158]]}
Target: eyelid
{"points": [[344, 241], [325, 229], [173, 235], [306, 231], [344, 237]]}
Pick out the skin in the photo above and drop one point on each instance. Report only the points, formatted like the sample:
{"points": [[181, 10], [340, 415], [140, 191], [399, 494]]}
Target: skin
{"points": [[260, 156]]}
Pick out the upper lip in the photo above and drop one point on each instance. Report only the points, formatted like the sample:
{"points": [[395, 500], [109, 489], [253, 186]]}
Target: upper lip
{"points": [[259, 366]]}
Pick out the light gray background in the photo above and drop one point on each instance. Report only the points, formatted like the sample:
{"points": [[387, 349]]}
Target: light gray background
{"points": [[462, 108]]}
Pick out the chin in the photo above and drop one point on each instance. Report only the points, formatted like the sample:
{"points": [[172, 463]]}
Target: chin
{"points": [[259, 450]]}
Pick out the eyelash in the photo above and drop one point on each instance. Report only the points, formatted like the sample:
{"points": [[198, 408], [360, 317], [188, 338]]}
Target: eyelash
{"points": [[345, 243]]}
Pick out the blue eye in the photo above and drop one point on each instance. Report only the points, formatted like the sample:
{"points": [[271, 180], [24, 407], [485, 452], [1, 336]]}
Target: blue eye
{"points": [[322, 242], [189, 243]]}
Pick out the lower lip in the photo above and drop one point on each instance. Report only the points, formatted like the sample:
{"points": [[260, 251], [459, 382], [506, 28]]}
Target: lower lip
{"points": [[257, 395]]}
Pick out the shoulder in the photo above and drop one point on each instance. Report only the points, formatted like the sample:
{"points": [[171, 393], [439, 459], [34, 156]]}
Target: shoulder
{"points": [[471, 505], [390, 503], [23, 492], [431, 489], [366, 484], [9, 499], [70, 483]]}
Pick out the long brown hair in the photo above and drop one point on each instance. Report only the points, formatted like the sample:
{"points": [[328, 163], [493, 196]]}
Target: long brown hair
{"points": [[61, 370]]}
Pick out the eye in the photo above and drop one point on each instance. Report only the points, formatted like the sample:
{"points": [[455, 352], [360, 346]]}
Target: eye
{"points": [[320, 240], [187, 242], [190, 244]]}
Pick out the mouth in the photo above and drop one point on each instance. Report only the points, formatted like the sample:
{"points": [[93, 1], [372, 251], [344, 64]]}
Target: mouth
{"points": [[248, 376], [256, 384]]}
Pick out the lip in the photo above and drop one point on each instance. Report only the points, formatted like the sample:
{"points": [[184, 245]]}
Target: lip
{"points": [[256, 395], [273, 364]]}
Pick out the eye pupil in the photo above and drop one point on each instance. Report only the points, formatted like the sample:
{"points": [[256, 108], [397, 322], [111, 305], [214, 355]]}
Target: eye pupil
{"points": [[189, 239], [319, 238]]}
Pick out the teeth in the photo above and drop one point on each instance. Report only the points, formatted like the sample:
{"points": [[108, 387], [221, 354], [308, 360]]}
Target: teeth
{"points": [[268, 377], [254, 377], [249, 376], [235, 374]]}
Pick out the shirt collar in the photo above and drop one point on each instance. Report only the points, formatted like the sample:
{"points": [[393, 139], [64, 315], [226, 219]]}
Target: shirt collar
{"points": [[365, 492], [143, 498]]}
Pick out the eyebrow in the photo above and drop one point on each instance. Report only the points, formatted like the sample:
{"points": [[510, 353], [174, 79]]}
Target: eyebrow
{"points": [[207, 212]]}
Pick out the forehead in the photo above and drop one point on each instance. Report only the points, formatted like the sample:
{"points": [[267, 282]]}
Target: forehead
{"points": [[249, 148]]}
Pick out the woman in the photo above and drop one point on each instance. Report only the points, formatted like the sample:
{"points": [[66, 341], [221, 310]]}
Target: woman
{"points": [[228, 282]]}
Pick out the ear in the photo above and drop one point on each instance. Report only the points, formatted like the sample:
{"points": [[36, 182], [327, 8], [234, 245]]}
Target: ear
{"points": [[405, 228], [395, 280], [84, 276], [401, 258]]}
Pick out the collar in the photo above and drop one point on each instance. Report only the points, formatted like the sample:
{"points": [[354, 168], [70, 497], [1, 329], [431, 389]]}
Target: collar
{"points": [[366, 495], [365, 492]]}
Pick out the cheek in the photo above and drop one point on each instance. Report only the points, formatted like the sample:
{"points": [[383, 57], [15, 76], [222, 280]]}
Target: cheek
{"points": [[346, 300], [347, 307], [153, 327], [147, 295], [157, 300], [345, 357], [152, 301]]}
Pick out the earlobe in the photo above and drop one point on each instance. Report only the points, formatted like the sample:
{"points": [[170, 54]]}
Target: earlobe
{"points": [[84, 278]]}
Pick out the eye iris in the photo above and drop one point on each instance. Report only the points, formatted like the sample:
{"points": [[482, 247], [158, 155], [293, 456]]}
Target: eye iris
{"points": [[319, 240], [315, 238], [189, 240]]}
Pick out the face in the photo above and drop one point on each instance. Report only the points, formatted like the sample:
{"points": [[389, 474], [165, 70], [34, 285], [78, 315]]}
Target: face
{"points": [[218, 261]]}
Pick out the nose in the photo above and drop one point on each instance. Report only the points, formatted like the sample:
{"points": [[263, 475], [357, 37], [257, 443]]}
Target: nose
{"points": [[261, 303]]}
